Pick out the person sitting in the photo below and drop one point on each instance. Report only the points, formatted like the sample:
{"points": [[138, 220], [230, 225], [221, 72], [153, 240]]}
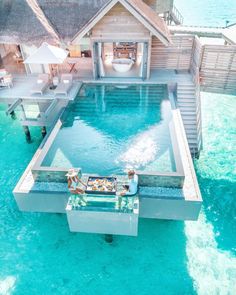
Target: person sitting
{"points": [[73, 182], [132, 188]]}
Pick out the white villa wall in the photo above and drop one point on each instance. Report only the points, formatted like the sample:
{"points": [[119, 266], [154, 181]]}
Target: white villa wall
{"points": [[176, 56], [119, 24], [103, 222], [169, 209], [41, 201]]}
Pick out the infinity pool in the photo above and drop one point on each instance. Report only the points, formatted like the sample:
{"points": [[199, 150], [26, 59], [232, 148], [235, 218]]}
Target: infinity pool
{"points": [[110, 128]]}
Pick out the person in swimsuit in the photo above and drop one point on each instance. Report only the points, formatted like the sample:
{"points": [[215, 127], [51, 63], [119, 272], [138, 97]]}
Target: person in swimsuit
{"points": [[73, 182], [132, 188]]}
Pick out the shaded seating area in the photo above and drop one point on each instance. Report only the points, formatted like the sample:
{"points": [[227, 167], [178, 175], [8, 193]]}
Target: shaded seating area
{"points": [[41, 84], [65, 84], [6, 79]]}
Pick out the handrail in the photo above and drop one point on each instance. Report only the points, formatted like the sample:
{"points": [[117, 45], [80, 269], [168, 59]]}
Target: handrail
{"points": [[13, 106], [51, 107], [197, 76], [178, 15], [201, 27]]}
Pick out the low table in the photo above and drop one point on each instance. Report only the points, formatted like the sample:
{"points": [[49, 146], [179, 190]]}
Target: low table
{"points": [[101, 185]]}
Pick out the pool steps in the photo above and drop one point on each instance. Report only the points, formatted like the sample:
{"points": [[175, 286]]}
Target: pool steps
{"points": [[187, 101]]}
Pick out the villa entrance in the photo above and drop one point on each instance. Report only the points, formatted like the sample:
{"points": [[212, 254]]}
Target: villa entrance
{"points": [[120, 59]]}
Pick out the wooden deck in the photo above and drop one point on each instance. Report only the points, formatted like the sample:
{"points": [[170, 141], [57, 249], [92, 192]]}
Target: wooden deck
{"points": [[22, 85], [228, 34], [169, 77], [212, 32]]}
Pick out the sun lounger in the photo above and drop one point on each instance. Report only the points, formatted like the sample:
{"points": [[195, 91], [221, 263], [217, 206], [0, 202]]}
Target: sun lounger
{"points": [[65, 84], [3, 72], [6, 81], [41, 84]]}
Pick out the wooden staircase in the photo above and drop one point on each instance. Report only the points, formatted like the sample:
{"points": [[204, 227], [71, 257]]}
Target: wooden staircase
{"points": [[188, 101]]}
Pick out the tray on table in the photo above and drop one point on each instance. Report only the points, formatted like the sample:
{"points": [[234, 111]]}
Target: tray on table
{"points": [[101, 185]]}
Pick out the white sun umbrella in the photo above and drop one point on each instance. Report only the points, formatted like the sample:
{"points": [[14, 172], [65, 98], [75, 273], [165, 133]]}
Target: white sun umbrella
{"points": [[47, 54]]}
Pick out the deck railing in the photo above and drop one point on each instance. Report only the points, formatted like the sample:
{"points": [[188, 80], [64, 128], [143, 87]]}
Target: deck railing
{"points": [[177, 14], [102, 203]]}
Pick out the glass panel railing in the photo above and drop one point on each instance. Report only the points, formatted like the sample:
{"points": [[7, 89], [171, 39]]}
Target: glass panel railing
{"points": [[104, 203]]}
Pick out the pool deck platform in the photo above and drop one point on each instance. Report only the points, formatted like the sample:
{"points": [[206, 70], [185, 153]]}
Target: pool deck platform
{"points": [[159, 202]]}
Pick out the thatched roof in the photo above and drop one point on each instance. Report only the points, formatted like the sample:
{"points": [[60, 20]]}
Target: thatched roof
{"points": [[18, 24], [35, 21], [68, 17]]}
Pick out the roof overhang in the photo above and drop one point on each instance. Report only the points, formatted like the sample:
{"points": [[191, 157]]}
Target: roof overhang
{"points": [[149, 19]]}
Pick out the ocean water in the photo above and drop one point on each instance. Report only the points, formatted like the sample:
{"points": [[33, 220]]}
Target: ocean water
{"points": [[38, 255], [207, 12], [112, 128]]}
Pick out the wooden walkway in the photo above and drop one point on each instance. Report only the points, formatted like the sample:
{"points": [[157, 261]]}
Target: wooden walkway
{"points": [[228, 34]]}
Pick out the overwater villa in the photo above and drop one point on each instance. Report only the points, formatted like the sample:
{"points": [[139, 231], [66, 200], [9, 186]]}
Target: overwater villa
{"points": [[114, 86]]}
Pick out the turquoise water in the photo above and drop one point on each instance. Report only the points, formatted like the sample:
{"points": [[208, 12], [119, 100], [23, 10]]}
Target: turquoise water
{"points": [[109, 129], [38, 255], [207, 13]]}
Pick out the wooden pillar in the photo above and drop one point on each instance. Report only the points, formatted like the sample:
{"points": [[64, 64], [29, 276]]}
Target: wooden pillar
{"points": [[108, 238], [27, 133], [12, 114], [149, 57], [26, 128], [43, 131]]}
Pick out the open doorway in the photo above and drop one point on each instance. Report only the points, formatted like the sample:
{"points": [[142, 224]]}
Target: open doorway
{"points": [[120, 59], [11, 59]]}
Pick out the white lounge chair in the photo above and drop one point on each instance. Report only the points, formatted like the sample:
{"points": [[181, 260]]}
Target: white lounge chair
{"points": [[65, 85], [41, 84], [6, 81]]}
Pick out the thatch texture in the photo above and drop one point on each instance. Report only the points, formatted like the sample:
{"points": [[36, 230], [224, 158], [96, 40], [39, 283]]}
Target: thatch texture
{"points": [[68, 17], [55, 21], [18, 24]]}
